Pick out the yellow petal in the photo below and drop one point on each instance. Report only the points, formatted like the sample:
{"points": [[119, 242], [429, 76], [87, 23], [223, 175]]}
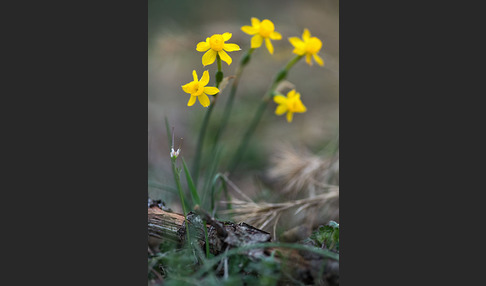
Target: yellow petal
{"points": [[267, 26], [306, 35], [191, 100], [204, 79], [314, 44], [296, 42], [289, 116], [249, 30], [211, 90], [204, 100], [231, 47], [256, 41], [269, 45], [202, 47], [308, 58], [281, 109], [255, 22], [291, 94], [280, 99], [318, 60], [194, 75], [298, 51], [301, 107], [209, 57], [275, 36], [227, 36], [185, 88], [224, 57]]}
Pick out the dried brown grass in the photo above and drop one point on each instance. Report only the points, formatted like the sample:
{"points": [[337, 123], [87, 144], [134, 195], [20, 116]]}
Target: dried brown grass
{"points": [[298, 173], [306, 181]]}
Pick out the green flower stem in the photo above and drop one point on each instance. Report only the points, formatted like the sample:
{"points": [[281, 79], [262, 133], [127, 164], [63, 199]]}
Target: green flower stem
{"points": [[281, 75], [202, 131], [229, 103], [197, 156], [181, 194], [219, 76], [292, 62]]}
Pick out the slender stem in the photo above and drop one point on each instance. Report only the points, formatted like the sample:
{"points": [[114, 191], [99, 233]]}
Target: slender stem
{"points": [[281, 75], [181, 194], [176, 173], [292, 62], [200, 140], [218, 60], [202, 131], [206, 238], [229, 103], [246, 137]]}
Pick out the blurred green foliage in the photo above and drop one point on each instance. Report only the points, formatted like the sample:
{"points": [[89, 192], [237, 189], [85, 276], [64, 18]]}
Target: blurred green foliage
{"points": [[181, 266], [327, 236]]}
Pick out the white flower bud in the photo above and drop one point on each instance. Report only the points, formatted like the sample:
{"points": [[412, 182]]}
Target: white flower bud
{"points": [[174, 154]]}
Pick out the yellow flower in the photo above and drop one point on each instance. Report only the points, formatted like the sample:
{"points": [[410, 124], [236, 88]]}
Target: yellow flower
{"points": [[289, 104], [262, 30], [199, 89], [308, 46], [216, 46]]}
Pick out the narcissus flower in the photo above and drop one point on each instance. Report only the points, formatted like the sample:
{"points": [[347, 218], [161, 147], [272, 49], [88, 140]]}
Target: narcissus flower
{"points": [[262, 30], [290, 104], [308, 46], [215, 45], [198, 88]]}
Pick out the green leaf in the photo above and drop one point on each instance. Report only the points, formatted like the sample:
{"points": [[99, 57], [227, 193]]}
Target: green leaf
{"points": [[327, 236], [213, 165], [190, 184], [163, 187], [169, 134], [217, 177]]}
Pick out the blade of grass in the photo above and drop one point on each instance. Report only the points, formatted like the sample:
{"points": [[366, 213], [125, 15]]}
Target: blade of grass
{"points": [[162, 187], [206, 238], [221, 177], [169, 134], [190, 184], [196, 201], [212, 170], [213, 261], [177, 179], [210, 175]]}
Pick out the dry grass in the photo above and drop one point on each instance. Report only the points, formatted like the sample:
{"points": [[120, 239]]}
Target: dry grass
{"points": [[305, 181], [298, 174], [263, 215]]}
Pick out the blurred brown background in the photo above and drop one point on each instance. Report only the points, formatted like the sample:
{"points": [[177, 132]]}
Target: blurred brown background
{"points": [[174, 29]]}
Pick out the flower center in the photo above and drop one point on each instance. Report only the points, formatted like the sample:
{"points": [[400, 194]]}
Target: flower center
{"points": [[266, 28], [216, 42], [292, 105], [195, 88], [313, 45]]}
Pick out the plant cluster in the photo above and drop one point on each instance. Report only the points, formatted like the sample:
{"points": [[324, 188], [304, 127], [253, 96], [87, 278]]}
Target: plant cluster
{"points": [[192, 265], [216, 49]]}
